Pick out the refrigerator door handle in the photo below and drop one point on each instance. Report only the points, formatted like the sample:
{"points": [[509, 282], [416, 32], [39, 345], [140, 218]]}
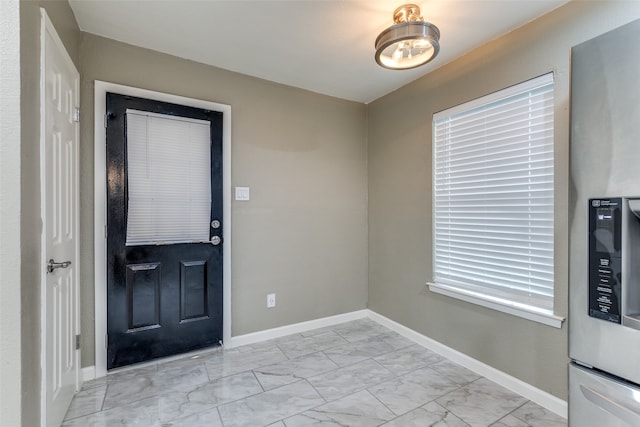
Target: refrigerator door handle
{"points": [[629, 411]]}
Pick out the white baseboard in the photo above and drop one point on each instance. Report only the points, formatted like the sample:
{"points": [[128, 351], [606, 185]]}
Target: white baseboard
{"points": [[524, 389], [295, 328]]}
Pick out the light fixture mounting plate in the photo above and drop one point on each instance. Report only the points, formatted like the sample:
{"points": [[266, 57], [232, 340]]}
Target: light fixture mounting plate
{"points": [[407, 13]]}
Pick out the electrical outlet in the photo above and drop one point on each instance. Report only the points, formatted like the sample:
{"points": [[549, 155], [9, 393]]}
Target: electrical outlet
{"points": [[271, 300]]}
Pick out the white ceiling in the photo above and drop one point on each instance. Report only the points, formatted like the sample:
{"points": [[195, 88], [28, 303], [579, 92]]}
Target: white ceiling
{"points": [[325, 46]]}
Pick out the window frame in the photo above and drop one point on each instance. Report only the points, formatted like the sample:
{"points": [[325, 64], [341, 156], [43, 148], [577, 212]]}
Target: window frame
{"points": [[468, 294]]}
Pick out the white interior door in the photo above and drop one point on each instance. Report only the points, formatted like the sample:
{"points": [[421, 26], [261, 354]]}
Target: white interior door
{"points": [[59, 183]]}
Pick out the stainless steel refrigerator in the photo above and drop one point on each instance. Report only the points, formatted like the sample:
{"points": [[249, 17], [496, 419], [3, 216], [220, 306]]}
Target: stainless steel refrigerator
{"points": [[604, 289]]}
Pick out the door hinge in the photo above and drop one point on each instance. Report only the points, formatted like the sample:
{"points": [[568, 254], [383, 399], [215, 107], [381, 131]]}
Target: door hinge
{"points": [[106, 231], [77, 342], [106, 340], [76, 114], [106, 119]]}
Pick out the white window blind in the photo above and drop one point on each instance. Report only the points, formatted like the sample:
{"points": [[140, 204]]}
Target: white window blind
{"points": [[169, 179], [493, 196]]}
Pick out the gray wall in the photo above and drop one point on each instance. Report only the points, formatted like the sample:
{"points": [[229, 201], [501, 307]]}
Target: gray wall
{"points": [[400, 220], [30, 225], [303, 235]]}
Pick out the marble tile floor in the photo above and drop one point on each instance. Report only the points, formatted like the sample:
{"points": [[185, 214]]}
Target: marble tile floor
{"points": [[356, 373]]}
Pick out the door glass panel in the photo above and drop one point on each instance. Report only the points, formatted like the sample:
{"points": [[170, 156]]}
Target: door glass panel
{"points": [[169, 179]]}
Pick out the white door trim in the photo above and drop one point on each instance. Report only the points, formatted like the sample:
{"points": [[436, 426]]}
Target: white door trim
{"points": [[47, 31], [100, 207]]}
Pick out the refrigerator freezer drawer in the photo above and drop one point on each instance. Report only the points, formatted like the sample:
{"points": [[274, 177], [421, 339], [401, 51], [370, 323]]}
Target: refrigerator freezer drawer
{"points": [[597, 400]]}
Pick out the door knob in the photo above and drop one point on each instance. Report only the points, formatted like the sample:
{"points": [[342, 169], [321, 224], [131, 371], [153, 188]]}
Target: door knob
{"points": [[52, 265]]}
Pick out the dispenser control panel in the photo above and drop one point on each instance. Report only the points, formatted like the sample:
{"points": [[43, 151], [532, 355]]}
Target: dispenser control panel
{"points": [[605, 258]]}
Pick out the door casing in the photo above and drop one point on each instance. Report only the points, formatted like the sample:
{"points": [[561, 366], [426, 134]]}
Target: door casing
{"points": [[100, 208]]}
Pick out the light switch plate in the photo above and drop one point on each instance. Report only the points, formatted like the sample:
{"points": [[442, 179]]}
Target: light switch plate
{"points": [[242, 193]]}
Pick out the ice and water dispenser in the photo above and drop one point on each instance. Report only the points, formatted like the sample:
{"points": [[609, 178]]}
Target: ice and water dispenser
{"points": [[614, 260]]}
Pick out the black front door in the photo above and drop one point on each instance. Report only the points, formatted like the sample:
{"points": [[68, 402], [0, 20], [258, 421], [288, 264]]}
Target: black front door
{"points": [[162, 299]]}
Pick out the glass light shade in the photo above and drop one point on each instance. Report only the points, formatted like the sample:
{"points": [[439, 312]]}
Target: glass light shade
{"points": [[407, 45]]}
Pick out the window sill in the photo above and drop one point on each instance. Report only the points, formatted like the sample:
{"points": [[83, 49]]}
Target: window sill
{"points": [[512, 308]]}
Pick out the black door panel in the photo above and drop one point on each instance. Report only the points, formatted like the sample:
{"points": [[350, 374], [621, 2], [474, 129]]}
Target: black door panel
{"points": [[162, 300]]}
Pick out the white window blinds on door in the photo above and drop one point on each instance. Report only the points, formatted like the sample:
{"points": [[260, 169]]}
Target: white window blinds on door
{"points": [[494, 196], [169, 179]]}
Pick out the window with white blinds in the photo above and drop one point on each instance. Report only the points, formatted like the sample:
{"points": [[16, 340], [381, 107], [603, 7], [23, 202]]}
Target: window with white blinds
{"points": [[169, 179], [493, 197]]}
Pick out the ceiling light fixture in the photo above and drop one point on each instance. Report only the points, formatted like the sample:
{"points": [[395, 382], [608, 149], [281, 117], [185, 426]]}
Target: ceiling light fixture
{"points": [[409, 43]]}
